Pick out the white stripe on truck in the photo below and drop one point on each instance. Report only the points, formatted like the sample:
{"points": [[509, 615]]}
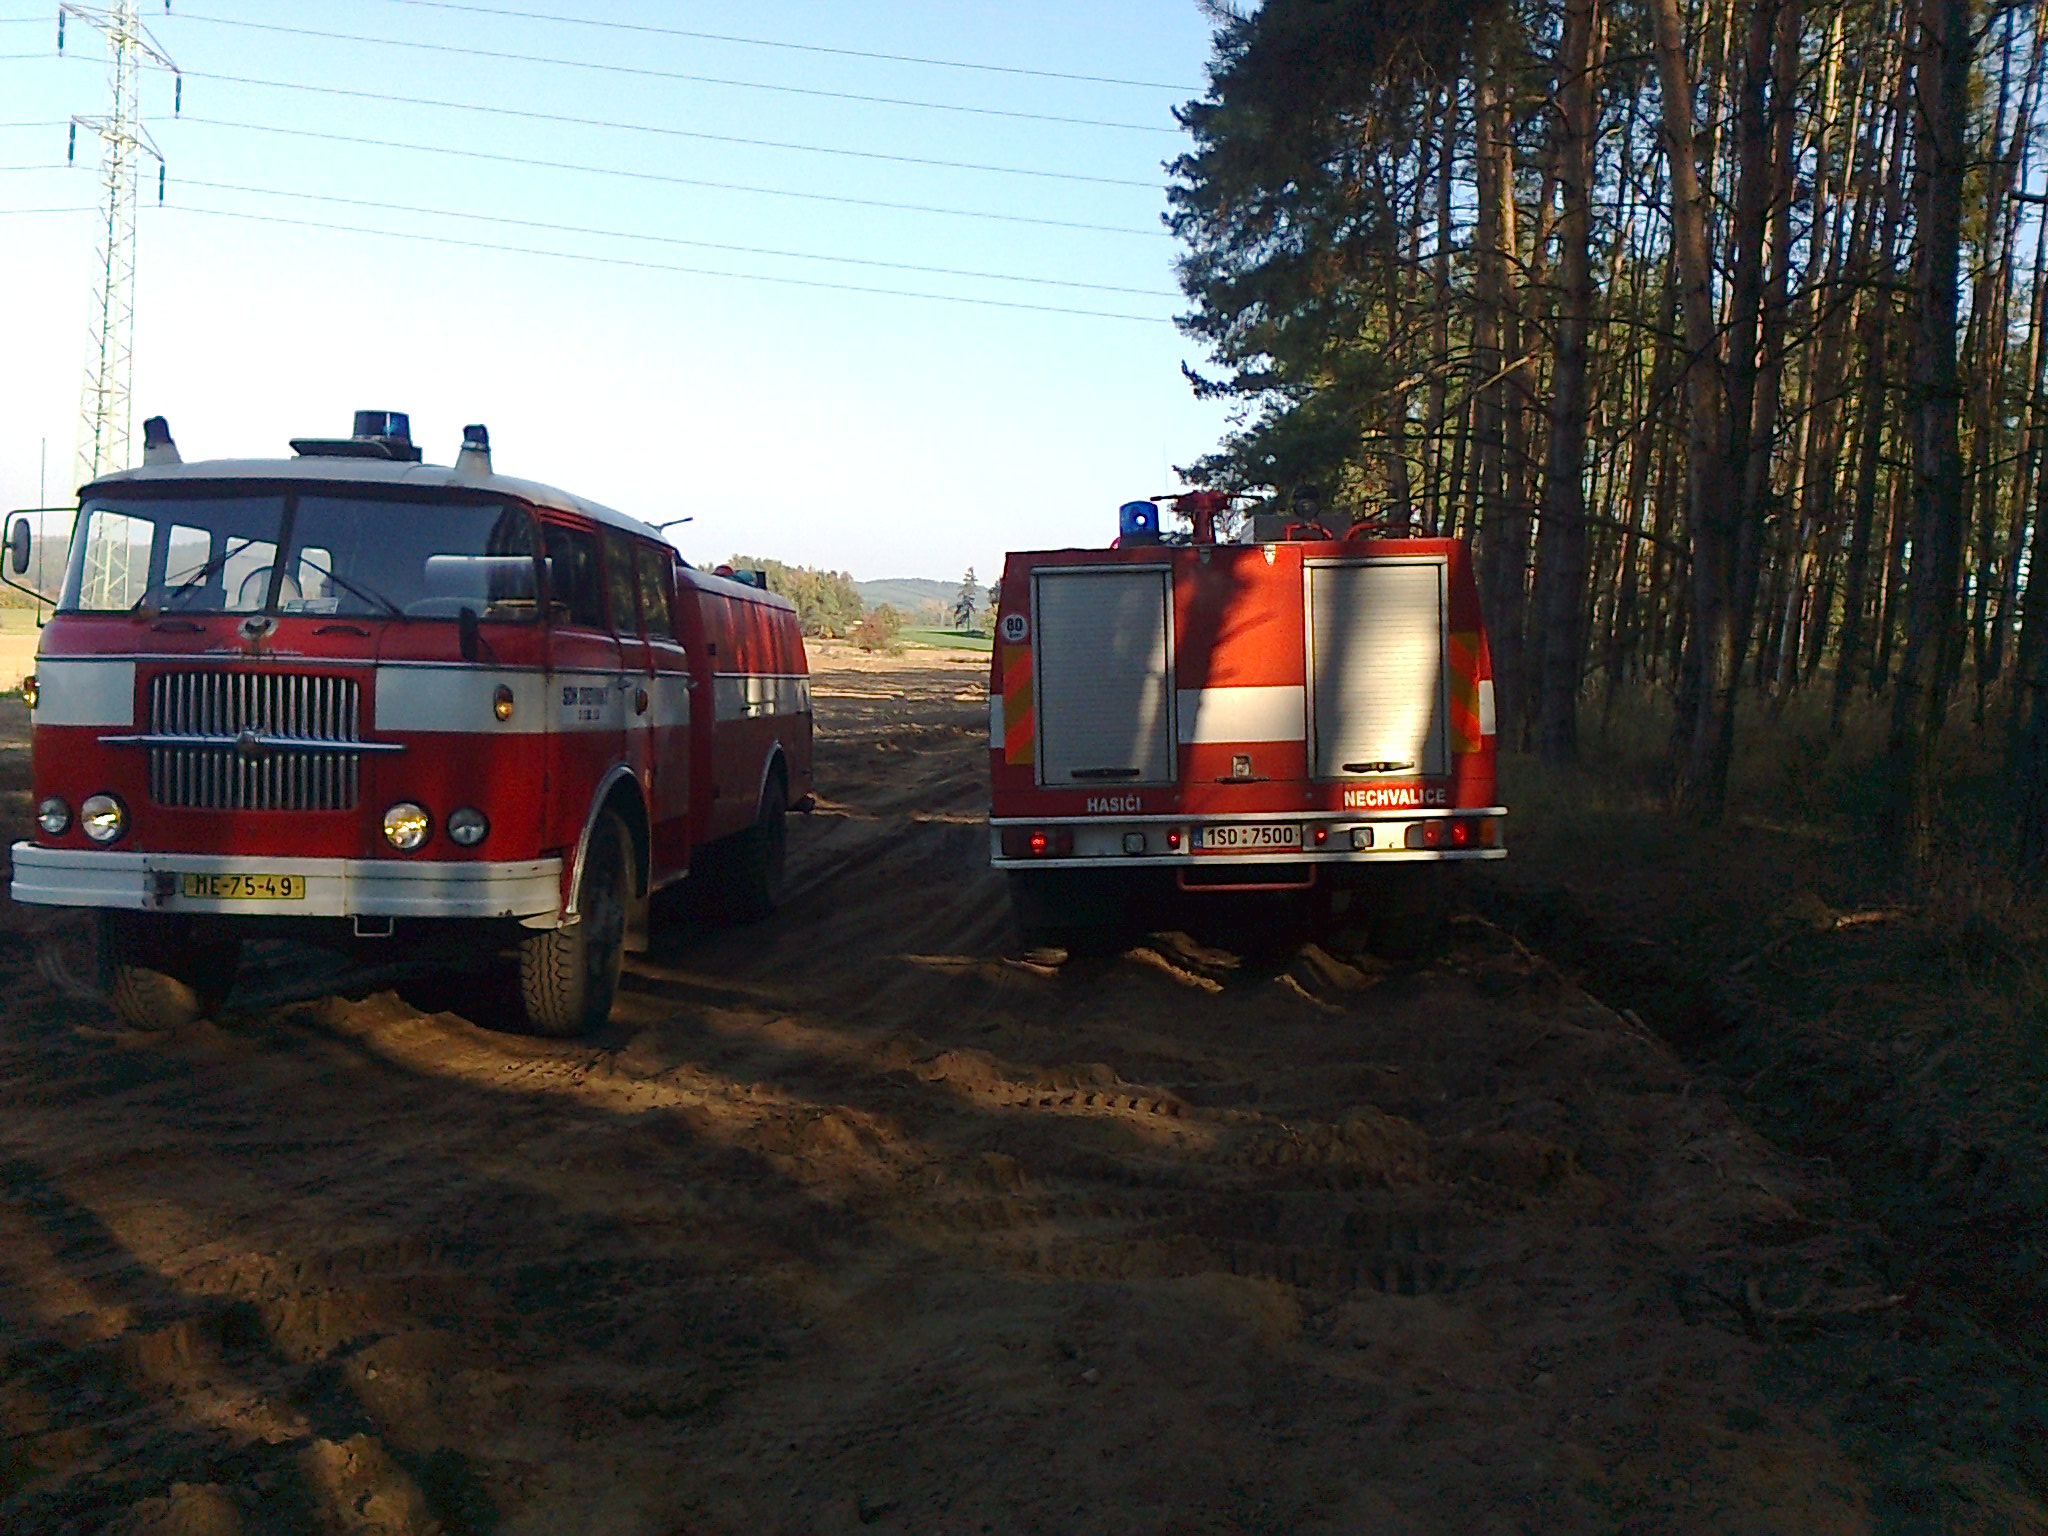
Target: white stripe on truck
{"points": [[458, 699], [463, 699], [85, 692], [752, 695], [1243, 714]]}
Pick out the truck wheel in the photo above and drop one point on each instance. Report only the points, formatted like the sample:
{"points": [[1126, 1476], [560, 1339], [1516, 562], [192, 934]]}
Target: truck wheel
{"points": [[1071, 909], [1406, 908], [154, 974], [569, 976], [758, 856]]}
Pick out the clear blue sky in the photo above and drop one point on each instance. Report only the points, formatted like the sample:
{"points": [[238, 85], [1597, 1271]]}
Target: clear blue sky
{"points": [[862, 431]]}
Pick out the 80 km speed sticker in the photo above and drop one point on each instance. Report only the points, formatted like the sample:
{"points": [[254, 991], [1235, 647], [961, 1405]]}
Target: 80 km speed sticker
{"points": [[1015, 628]]}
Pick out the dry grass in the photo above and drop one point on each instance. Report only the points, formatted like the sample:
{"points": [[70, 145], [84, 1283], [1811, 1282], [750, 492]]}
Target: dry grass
{"points": [[1894, 1035]]}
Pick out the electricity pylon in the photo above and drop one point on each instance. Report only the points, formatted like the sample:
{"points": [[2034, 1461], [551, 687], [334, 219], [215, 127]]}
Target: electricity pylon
{"points": [[103, 414]]}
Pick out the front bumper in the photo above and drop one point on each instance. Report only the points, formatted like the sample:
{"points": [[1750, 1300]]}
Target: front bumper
{"points": [[529, 891]]}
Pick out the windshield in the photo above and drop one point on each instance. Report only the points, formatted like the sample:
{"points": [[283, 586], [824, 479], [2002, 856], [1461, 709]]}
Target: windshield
{"points": [[352, 556]]}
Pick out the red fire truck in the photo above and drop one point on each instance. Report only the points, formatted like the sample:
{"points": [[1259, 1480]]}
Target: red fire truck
{"points": [[349, 696], [1302, 713]]}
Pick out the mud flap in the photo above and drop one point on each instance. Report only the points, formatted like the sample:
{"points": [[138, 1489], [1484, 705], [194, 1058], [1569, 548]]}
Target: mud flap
{"points": [[637, 908]]}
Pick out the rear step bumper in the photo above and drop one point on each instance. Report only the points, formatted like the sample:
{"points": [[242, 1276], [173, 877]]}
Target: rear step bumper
{"points": [[1170, 842]]}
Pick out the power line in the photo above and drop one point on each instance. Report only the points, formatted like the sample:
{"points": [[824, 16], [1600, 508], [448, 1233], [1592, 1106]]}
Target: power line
{"points": [[678, 181], [708, 245], [665, 74], [18, 213], [658, 266], [529, 115], [762, 42]]}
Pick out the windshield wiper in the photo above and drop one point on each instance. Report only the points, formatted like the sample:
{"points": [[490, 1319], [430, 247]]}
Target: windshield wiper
{"points": [[198, 576], [367, 594]]}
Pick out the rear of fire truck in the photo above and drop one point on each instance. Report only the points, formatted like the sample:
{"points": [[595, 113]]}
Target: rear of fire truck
{"points": [[1304, 714]]}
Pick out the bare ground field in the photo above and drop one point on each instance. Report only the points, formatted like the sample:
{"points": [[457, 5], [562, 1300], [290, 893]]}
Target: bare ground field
{"points": [[863, 1218]]}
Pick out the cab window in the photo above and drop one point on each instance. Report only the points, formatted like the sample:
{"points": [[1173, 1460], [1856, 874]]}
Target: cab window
{"points": [[618, 572], [575, 583], [653, 565]]}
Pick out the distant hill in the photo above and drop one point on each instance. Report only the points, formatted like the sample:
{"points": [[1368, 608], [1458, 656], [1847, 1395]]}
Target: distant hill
{"points": [[905, 593]]}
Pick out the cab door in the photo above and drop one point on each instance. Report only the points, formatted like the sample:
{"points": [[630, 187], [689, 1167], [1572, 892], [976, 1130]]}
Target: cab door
{"points": [[622, 600], [669, 688], [586, 713]]}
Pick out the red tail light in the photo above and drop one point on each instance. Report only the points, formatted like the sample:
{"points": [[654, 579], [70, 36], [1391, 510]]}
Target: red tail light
{"points": [[1036, 842], [1452, 832]]}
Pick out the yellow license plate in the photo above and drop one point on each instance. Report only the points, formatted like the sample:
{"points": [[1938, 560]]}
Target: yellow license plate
{"points": [[247, 887]]}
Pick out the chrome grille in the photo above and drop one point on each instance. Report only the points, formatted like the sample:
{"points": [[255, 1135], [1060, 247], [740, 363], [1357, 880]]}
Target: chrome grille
{"points": [[307, 724]]}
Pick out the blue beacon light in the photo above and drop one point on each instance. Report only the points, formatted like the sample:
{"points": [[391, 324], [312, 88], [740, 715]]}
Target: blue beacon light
{"points": [[1139, 522]]}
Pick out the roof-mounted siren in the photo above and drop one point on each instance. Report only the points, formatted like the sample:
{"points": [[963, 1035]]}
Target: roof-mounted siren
{"points": [[157, 447], [474, 461], [377, 435], [1202, 509], [1138, 523]]}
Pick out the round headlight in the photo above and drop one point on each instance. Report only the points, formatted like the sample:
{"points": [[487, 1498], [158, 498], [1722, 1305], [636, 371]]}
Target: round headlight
{"points": [[406, 826], [501, 702], [103, 818], [53, 816], [468, 826]]}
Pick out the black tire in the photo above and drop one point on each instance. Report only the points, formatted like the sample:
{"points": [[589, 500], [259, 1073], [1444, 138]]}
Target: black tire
{"points": [[1082, 910], [1406, 910], [157, 975], [569, 977], [759, 855]]}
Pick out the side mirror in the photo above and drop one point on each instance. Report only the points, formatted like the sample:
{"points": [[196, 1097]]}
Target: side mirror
{"points": [[18, 545], [468, 636]]}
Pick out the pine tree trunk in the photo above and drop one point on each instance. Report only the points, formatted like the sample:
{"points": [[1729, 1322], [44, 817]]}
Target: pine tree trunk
{"points": [[1561, 564], [1504, 527], [1920, 692]]}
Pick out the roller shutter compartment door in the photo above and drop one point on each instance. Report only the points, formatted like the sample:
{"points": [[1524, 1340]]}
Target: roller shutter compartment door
{"points": [[1377, 638], [1104, 689]]}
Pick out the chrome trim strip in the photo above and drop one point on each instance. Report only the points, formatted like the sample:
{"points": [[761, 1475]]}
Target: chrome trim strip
{"points": [[1208, 819], [256, 738]]}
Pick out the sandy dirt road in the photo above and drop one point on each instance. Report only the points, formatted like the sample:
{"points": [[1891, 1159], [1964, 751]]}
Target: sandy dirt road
{"points": [[863, 1219]]}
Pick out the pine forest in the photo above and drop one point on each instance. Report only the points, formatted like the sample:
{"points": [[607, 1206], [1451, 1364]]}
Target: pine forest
{"points": [[1718, 327]]}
